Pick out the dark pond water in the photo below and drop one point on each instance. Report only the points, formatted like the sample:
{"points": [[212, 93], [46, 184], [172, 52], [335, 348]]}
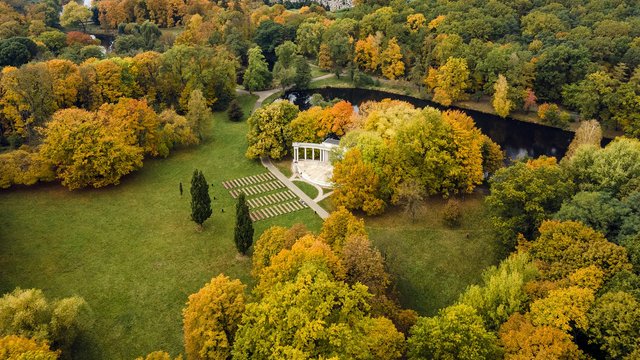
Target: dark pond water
{"points": [[517, 138]]}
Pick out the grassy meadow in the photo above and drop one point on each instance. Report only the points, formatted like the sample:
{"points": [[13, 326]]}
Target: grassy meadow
{"points": [[132, 252]]}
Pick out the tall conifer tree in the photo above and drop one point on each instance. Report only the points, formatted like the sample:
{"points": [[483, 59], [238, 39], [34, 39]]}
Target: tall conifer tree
{"points": [[244, 226], [200, 200]]}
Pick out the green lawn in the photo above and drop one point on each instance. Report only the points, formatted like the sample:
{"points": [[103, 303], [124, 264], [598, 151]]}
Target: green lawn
{"points": [[308, 189], [431, 263], [130, 250]]}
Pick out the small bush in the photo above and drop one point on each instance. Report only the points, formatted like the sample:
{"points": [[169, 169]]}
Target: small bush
{"points": [[235, 112], [452, 214]]}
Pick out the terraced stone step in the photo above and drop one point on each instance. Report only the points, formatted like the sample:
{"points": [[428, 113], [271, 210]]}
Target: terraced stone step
{"points": [[247, 181]]}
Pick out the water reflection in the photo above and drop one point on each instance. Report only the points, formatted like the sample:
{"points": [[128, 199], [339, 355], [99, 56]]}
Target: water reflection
{"points": [[518, 139]]}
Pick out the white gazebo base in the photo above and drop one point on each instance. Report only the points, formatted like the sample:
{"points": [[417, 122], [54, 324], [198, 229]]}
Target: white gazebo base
{"points": [[315, 172]]}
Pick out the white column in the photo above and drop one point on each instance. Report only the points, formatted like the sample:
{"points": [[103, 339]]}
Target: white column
{"points": [[305, 153], [313, 154]]}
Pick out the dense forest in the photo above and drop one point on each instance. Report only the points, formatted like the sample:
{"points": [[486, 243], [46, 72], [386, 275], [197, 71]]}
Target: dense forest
{"points": [[76, 111]]}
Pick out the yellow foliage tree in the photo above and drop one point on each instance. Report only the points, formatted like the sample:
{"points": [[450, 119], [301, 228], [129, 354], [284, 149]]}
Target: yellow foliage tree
{"points": [[367, 53], [341, 225], [449, 82], [324, 57], [357, 184], [522, 340], [501, 103], [85, 152], [13, 347], [415, 22], [392, 65], [563, 308], [22, 167], [286, 265], [271, 242], [211, 319]]}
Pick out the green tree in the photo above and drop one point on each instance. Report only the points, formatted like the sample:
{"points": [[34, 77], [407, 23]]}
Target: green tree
{"points": [[524, 194], [598, 210], [257, 76], [211, 319], [456, 332], [614, 324], [198, 114], [501, 293], [284, 70], [75, 14], [200, 200], [235, 112], [269, 133], [611, 169], [302, 79], [243, 233]]}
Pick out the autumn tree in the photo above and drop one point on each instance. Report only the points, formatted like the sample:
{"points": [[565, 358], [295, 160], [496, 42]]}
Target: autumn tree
{"points": [[501, 103], [347, 330], [28, 313], [28, 98], [357, 184], [564, 309], [410, 194], [200, 200], [243, 233], [523, 340], [257, 76], [75, 14], [24, 167], [288, 263], [337, 119], [271, 242], [449, 82], [565, 246], [367, 53], [364, 264], [589, 133], [392, 64], [198, 114], [456, 332], [85, 152], [307, 126], [17, 347], [340, 226], [324, 57], [269, 133], [212, 317]]}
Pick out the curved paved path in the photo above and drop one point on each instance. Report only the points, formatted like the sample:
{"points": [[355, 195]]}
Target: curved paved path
{"points": [[266, 162]]}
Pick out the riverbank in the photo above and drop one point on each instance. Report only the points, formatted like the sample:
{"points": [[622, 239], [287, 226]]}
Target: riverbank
{"points": [[405, 88]]}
